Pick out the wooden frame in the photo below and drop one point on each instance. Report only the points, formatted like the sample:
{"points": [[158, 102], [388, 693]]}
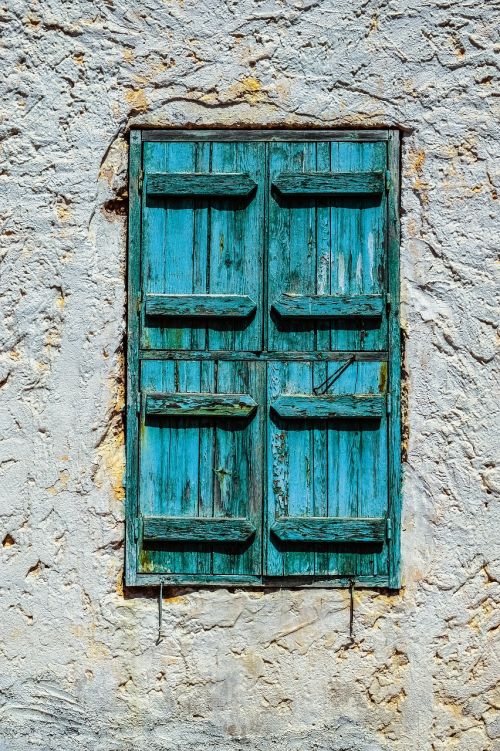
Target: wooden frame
{"points": [[392, 356]]}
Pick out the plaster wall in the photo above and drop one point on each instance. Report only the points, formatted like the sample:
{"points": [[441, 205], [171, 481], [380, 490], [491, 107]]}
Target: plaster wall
{"points": [[80, 668]]}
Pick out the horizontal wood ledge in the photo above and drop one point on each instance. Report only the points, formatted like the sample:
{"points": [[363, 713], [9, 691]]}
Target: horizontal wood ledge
{"points": [[271, 134], [199, 306], [196, 529], [329, 183], [222, 185], [330, 529], [328, 306], [199, 405], [326, 406]]}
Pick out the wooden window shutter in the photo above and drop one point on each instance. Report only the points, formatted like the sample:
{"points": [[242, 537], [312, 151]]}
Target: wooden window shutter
{"points": [[263, 418]]}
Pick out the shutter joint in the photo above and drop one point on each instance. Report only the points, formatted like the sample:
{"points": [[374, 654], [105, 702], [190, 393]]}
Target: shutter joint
{"points": [[137, 528], [140, 181], [389, 529]]}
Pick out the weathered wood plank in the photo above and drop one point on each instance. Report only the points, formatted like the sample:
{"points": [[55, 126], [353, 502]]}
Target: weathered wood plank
{"points": [[394, 381], [229, 184], [329, 183], [200, 306], [329, 529], [337, 356], [329, 406], [132, 451], [199, 405], [196, 529], [273, 135], [328, 306], [297, 581], [238, 457]]}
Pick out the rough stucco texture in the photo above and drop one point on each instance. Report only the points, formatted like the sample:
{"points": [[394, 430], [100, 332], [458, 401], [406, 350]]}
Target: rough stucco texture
{"points": [[240, 670]]}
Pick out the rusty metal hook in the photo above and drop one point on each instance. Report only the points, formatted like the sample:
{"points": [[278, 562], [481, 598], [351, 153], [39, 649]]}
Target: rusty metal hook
{"points": [[160, 613], [330, 380]]}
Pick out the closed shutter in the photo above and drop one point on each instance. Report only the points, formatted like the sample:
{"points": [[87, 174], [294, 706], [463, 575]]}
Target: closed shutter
{"points": [[263, 344]]}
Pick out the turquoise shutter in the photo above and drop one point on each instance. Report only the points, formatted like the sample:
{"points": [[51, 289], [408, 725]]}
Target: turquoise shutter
{"points": [[202, 419], [327, 484], [263, 408]]}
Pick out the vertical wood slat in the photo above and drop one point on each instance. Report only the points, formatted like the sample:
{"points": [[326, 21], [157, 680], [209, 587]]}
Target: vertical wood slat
{"points": [[132, 445], [325, 259], [169, 244], [235, 248], [394, 381]]}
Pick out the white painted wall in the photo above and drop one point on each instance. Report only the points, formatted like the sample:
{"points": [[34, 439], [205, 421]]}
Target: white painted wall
{"points": [[237, 670]]}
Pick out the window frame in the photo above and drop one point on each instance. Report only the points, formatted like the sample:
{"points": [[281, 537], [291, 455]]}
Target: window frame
{"points": [[136, 139]]}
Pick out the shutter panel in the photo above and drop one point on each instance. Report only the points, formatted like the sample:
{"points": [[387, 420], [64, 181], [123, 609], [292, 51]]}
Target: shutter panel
{"points": [[202, 421], [328, 465], [263, 405]]}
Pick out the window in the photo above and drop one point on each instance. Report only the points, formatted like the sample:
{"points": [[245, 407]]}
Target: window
{"points": [[263, 391]]}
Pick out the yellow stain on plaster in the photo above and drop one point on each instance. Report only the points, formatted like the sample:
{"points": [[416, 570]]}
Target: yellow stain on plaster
{"points": [[15, 354], [417, 159], [137, 98], [115, 158], [415, 169], [111, 450], [112, 460], [128, 55], [79, 58], [251, 84], [31, 20], [158, 68], [175, 599], [119, 584], [254, 664], [61, 484], [249, 89], [63, 211], [373, 24], [457, 45]]}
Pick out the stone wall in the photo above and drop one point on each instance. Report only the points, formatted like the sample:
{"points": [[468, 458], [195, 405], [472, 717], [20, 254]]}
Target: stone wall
{"points": [[240, 670]]}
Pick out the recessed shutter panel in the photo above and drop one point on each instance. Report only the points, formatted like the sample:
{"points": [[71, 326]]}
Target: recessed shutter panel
{"points": [[327, 275], [327, 471], [203, 243], [200, 483]]}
